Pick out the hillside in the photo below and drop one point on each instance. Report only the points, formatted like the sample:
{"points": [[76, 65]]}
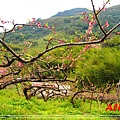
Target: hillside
{"points": [[71, 12], [67, 24], [112, 14]]}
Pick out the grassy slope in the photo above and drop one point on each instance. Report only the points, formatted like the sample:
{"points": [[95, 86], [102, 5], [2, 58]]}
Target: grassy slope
{"points": [[13, 104]]}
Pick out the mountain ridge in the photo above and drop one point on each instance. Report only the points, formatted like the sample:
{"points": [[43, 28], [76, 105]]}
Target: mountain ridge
{"points": [[65, 25], [71, 12], [77, 11]]}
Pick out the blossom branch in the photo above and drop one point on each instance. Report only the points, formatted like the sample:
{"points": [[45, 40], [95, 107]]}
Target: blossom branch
{"points": [[96, 16]]}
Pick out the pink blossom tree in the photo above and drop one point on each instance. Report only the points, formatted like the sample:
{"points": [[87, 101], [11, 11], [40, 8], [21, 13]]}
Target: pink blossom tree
{"points": [[16, 68]]}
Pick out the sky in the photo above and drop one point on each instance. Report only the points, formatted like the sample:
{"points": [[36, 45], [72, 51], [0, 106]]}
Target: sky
{"points": [[22, 10]]}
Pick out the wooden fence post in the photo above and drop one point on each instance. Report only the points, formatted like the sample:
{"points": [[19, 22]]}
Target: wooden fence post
{"points": [[118, 93]]}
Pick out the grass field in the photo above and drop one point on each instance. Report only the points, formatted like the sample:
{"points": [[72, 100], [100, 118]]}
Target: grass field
{"points": [[13, 106]]}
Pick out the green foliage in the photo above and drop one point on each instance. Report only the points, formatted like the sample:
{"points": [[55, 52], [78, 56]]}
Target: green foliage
{"points": [[114, 42], [100, 66], [15, 47]]}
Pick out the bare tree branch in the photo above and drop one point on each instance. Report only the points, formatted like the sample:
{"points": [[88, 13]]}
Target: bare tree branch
{"points": [[9, 62], [20, 80]]}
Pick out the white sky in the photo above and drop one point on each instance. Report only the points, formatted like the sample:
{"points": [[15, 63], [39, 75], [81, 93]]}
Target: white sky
{"points": [[22, 10]]}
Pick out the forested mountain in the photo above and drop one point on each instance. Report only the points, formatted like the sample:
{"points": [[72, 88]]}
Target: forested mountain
{"points": [[112, 14], [67, 24], [71, 12]]}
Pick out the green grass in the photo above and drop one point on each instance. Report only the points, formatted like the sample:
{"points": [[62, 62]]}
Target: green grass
{"points": [[17, 107]]}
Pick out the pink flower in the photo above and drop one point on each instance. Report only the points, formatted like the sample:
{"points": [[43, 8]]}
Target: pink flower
{"points": [[45, 26], [84, 13], [38, 24], [54, 32], [33, 20], [49, 27], [64, 66], [19, 64], [3, 71], [91, 23], [3, 22], [87, 47], [86, 18], [105, 9], [89, 30], [61, 41], [13, 31], [13, 21], [118, 33], [107, 24], [69, 57], [25, 49]]}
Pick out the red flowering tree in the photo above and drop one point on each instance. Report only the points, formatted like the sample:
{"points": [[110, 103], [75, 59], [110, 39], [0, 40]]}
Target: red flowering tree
{"points": [[23, 68]]}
